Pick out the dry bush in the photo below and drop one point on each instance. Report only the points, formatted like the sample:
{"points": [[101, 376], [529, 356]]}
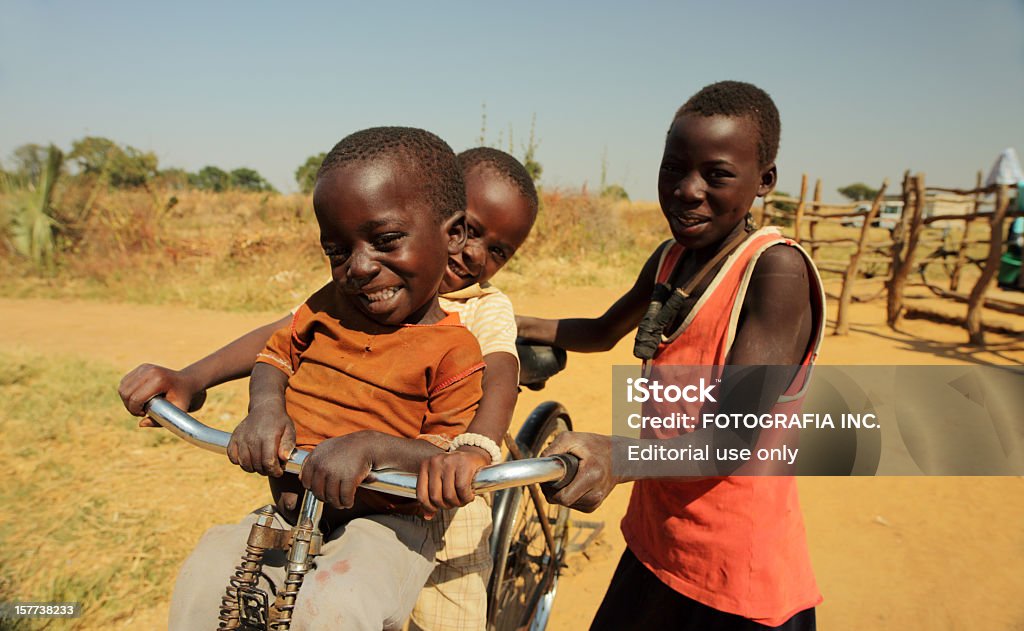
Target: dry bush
{"points": [[260, 251], [585, 240], [235, 250]]}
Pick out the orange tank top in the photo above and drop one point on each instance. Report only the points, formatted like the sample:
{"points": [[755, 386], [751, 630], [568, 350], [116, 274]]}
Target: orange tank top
{"points": [[736, 544]]}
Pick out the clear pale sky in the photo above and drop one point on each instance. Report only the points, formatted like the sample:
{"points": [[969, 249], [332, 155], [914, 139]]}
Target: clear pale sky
{"points": [[865, 89]]}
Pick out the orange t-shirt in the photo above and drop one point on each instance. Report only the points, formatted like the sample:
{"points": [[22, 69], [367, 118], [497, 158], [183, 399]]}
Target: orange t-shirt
{"points": [[736, 544], [348, 373]]}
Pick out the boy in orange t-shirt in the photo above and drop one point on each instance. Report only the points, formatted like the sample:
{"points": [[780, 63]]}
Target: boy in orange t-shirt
{"points": [[370, 374], [501, 205]]}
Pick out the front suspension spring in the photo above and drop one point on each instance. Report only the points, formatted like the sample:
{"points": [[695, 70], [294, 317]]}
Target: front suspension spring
{"points": [[285, 603], [246, 575]]}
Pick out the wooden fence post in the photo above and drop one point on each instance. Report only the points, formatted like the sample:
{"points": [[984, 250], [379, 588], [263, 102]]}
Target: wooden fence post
{"points": [[914, 189], [842, 324], [813, 228], [975, 328], [961, 254], [893, 303], [800, 209]]}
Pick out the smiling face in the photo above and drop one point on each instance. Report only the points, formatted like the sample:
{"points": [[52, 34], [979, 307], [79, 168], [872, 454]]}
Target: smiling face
{"points": [[386, 245], [498, 220], [709, 177]]}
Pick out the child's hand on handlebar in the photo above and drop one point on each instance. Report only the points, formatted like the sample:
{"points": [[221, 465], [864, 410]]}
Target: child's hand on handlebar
{"points": [[336, 467], [446, 480], [149, 380], [263, 441]]}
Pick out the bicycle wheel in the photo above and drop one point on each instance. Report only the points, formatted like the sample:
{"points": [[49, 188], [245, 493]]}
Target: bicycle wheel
{"points": [[525, 575]]}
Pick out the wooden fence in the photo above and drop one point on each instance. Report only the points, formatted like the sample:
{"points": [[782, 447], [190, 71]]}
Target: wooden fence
{"points": [[900, 253]]}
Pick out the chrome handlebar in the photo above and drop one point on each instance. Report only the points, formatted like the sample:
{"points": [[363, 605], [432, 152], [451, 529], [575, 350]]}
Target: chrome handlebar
{"points": [[492, 478]]}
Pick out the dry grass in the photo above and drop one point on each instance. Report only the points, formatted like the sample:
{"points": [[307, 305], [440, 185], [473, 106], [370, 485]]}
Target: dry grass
{"points": [[76, 526], [582, 241], [257, 252], [232, 251]]}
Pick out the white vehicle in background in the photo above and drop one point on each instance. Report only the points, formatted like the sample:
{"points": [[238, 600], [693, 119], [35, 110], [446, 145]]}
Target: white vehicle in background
{"points": [[889, 215]]}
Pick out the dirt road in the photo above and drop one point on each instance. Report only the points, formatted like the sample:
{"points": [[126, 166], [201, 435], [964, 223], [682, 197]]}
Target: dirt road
{"points": [[889, 553]]}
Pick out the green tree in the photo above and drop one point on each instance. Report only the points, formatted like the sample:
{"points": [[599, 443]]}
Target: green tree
{"points": [[858, 191], [615, 193], [131, 168], [126, 167], [174, 178], [29, 161], [211, 178], [247, 179], [305, 175], [92, 153]]}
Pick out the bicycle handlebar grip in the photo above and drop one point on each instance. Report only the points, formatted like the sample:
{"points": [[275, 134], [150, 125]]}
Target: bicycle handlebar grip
{"points": [[572, 466]]}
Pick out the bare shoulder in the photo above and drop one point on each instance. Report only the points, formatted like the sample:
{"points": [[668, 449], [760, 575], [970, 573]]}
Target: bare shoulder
{"points": [[780, 287], [780, 281], [781, 259], [776, 319]]}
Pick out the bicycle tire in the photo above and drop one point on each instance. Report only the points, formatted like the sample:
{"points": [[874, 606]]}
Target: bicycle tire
{"points": [[524, 578]]}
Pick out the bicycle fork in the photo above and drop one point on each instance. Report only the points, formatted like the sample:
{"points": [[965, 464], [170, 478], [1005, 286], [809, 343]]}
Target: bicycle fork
{"points": [[245, 607]]}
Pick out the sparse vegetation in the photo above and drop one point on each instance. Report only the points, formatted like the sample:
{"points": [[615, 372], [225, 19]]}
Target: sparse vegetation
{"points": [[253, 251], [74, 526], [26, 209]]}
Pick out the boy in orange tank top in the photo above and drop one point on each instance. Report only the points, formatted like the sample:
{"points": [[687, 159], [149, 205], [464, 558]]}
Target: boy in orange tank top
{"points": [[707, 552]]}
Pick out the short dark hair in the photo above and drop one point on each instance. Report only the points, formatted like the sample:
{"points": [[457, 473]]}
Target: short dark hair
{"points": [[503, 164], [420, 154], [736, 98]]}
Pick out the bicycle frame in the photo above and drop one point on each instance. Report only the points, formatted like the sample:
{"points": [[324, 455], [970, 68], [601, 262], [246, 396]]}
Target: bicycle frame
{"points": [[246, 607], [495, 477]]}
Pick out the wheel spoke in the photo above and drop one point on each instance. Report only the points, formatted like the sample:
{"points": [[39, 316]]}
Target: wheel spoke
{"points": [[528, 572]]}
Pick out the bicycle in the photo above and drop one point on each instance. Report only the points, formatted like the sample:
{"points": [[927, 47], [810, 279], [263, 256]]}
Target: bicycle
{"points": [[528, 543], [519, 600]]}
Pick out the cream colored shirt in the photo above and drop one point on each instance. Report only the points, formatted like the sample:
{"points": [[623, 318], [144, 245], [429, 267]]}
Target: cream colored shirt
{"points": [[487, 313]]}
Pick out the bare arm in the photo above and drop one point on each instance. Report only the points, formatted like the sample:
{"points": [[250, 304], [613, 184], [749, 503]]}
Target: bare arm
{"points": [[266, 436], [776, 322], [186, 387], [235, 360], [592, 335]]}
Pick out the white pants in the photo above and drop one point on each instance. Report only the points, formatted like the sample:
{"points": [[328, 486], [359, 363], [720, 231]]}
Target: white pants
{"points": [[367, 577]]}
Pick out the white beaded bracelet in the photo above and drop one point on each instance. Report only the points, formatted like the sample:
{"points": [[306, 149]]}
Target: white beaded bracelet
{"points": [[478, 440]]}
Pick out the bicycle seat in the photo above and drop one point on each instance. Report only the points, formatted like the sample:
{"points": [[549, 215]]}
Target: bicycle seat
{"points": [[538, 363]]}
